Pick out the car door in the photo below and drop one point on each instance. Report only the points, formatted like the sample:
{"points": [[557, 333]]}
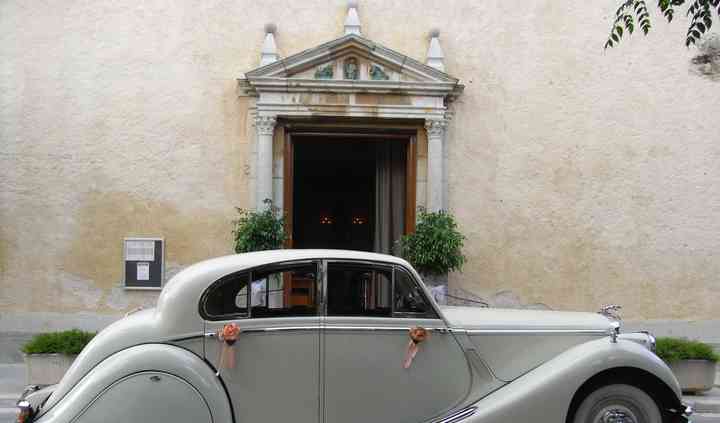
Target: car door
{"points": [[370, 310], [275, 376]]}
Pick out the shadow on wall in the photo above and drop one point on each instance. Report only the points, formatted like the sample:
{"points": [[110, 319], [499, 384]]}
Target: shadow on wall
{"points": [[707, 63], [457, 296]]}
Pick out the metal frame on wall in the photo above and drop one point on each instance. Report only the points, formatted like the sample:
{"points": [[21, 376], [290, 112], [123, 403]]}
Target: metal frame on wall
{"points": [[160, 259]]}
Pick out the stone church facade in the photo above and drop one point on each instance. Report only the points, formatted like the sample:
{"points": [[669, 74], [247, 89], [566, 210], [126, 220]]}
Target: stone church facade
{"points": [[580, 177]]}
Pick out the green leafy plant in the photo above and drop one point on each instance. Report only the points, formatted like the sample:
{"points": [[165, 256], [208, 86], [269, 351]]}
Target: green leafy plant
{"points": [[66, 342], [675, 349], [635, 12], [436, 246], [258, 230]]}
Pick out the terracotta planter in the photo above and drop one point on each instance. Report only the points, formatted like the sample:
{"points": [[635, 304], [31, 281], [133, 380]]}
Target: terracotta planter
{"points": [[47, 369], [694, 375]]}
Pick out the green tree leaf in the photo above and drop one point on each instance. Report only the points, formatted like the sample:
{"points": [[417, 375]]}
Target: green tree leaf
{"points": [[258, 230], [699, 12], [436, 245]]}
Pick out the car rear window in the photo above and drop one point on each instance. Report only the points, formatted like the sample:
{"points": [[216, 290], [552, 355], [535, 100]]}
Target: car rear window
{"points": [[227, 298], [278, 291]]}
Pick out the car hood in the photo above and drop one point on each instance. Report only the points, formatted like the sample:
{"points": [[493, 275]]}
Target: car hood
{"points": [[512, 319]]}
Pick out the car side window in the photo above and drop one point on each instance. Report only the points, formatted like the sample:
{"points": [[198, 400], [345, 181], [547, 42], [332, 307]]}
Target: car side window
{"points": [[284, 291], [227, 298], [359, 290], [409, 298]]}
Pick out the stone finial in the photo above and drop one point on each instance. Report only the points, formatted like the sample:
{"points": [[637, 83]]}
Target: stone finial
{"points": [[435, 56], [352, 21], [269, 54]]}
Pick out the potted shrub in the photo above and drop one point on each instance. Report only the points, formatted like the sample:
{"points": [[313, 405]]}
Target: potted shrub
{"points": [[258, 230], [435, 248], [693, 362], [49, 355]]}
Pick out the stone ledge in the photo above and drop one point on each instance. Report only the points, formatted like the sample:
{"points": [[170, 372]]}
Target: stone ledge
{"points": [[39, 321], [702, 330]]}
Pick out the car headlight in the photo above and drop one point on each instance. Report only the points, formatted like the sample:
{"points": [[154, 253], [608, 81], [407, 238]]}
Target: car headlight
{"points": [[652, 341]]}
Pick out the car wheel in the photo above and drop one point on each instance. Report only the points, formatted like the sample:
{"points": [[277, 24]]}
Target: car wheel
{"points": [[618, 404]]}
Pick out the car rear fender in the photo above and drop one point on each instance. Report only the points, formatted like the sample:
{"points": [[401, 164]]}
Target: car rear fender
{"points": [[544, 394], [156, 362]]}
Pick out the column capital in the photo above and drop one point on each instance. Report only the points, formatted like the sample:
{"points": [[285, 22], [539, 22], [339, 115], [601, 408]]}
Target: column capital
{"points": [[435, 127], [265, 124]]}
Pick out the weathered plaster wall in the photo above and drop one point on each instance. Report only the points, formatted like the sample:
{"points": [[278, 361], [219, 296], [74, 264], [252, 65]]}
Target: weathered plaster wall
{"points": [[581, 177], [595, 174]]}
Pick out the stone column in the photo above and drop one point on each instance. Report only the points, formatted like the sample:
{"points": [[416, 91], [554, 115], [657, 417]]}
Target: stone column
{"points": [[435, 134], [264, 126]]}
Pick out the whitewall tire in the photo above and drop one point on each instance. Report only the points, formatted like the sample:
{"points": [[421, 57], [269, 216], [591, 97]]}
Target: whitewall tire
{"points": [[618, 404]]}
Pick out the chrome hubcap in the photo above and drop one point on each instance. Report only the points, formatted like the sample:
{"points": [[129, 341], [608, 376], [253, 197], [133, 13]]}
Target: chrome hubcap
{"points": [[615, 414]]}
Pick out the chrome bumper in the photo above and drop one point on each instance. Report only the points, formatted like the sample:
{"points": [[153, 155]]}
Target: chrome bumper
{"points": [[683, 415]]}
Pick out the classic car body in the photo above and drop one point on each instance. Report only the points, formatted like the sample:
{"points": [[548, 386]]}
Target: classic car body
{"points": [[323, 337]]}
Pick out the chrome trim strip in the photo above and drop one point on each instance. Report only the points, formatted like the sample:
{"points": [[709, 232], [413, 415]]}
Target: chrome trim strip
{"points": [[407, 328], [320, 327], [457, 416], [280, 329], [538, 331], [185, 337], [379, 328]]}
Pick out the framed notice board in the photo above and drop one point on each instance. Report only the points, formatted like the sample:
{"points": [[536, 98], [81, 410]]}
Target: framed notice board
{"points": [[143, 263]]}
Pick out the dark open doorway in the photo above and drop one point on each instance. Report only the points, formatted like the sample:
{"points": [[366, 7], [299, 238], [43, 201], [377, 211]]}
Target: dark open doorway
{"points": [[334, 194], [349, 192]]}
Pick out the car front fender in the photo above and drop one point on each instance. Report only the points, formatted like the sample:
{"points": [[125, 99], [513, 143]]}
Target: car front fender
{"points": [[544, 394], [154, 359]]}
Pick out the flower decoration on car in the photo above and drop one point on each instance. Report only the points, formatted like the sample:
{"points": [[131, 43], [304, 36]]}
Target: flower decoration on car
{"points": [[228, 335], [417, 335]]}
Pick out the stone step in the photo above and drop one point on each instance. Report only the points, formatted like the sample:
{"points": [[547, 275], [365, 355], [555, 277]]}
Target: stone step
{"points": [[12, 380], [10, 345], [707, 402], [7, 403], [7, 410], [706, 418], [8, 416]]}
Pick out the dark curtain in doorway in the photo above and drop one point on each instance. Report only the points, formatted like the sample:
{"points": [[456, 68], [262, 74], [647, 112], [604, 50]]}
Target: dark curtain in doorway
{"points": [[389, 196]]}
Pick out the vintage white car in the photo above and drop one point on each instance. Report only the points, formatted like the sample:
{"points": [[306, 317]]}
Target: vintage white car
{"points": [[325, 336]]}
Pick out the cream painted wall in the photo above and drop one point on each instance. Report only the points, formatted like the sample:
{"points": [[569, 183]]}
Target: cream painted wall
{"points": [[574, 180]]}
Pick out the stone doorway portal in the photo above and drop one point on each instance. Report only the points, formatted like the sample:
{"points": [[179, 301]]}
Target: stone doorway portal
{"points": [[350, 87]]}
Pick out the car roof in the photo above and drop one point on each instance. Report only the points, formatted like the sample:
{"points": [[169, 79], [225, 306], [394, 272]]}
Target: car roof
{"points": [[182, 292], [261, 258]]}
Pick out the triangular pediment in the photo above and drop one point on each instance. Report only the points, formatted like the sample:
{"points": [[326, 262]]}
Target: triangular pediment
{"points": [[353, 60]]}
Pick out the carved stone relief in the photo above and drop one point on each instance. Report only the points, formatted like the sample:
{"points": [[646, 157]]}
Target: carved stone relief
{"points": [[351, 70], [324, 71], [377, 73]]}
